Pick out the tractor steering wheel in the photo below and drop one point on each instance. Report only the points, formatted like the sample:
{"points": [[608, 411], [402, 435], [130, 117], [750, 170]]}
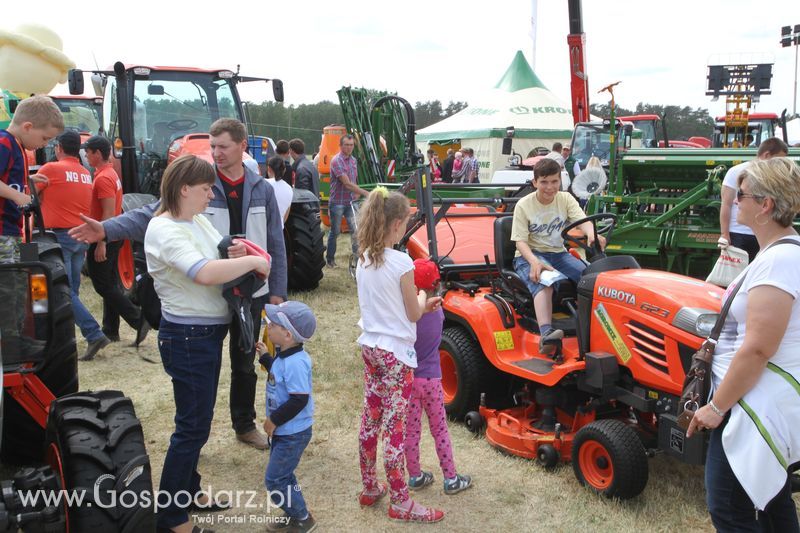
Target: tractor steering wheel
{"points": [[595, 250], [182, 124]]}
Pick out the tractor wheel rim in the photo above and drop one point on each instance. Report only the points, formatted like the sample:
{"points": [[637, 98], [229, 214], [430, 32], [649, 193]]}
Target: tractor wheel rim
{"points": [[596, 465], [125, 265], [449, 376]]}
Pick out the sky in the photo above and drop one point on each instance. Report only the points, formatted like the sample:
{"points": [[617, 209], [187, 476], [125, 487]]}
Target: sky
{"points": [[429, 50]]}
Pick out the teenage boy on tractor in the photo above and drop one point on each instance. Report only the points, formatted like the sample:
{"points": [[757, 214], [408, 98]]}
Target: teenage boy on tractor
{"points": [[541, 259]]}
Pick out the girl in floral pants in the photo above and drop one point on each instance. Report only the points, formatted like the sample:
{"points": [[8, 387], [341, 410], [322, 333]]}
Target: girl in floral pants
{"points": [[390, 305]]}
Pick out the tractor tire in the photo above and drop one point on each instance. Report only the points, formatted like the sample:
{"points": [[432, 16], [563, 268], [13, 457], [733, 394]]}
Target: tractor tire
{"points": [[23, 438], [463, 368], [96, 444], [608, 457], [305, 251]]}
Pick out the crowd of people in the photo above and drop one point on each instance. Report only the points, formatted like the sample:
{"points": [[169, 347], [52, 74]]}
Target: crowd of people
{"points": [[755, 368]]}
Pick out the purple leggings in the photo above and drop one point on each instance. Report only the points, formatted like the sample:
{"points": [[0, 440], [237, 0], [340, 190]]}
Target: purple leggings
{"points": [[427, 394]]}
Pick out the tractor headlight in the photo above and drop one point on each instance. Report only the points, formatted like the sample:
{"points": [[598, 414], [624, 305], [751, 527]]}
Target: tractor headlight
{"points": [[695, 320]]}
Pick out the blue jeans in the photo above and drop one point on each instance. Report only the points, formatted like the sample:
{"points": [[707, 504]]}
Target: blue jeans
{"points": [[279, 478], [74, 254], [730, 507], [336, 212], [192, 356], [564, 262]]}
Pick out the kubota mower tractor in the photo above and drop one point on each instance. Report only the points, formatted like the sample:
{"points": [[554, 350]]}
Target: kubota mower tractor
{"points": [[91, 442], [608, 398]]}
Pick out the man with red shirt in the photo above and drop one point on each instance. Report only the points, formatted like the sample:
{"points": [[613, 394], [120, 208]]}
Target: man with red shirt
{"points": [[67, 194], [102, 257]]}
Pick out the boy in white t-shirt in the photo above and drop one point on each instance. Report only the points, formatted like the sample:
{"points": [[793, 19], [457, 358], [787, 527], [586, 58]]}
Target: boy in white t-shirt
{"points": [[538, 221]]}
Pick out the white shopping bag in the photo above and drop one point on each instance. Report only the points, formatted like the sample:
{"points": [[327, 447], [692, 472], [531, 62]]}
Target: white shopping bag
{"points": [[732, 261]]}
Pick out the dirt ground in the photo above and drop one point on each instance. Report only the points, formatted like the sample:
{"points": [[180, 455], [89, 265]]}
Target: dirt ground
{"points": [[510, 494]]}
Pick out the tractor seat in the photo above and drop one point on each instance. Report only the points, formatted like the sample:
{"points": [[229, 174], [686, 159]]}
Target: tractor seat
{"points": [[520, 296]]}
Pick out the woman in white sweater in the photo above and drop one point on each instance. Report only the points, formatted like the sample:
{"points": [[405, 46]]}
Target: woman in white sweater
{"points": [[182, 257]]}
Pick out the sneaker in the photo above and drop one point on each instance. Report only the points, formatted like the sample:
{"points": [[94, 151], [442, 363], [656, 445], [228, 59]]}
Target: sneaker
{"points": [[457, 484], [420, 481], [94, 347], [331, 264], [417, 513], [113, 337], [547, 343], [254, 438], [368, 500], [293, 525]]}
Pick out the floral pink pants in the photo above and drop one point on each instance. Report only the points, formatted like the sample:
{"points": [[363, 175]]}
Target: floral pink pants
{"points": [[387, 387], [427, 395]]}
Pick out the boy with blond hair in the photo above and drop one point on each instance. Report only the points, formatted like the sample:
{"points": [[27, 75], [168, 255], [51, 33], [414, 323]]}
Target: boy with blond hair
{"points": [[36, 121]]}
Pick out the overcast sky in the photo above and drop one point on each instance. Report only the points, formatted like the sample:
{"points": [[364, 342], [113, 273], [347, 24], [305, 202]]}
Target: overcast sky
{"points": [[429, 50]]}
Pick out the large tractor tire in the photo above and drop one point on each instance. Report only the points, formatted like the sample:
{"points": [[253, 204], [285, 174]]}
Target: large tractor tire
{"points": [[463, 368], [23, 438], [96, 445], [305, 251], [608, 457]]}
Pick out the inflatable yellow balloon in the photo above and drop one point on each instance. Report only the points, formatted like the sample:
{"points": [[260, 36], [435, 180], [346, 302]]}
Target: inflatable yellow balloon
{"points": [[31, 60]]}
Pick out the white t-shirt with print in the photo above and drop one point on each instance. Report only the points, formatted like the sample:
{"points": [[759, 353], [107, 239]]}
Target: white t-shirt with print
{"points": [[732, 181], [383, 313], [778, 266], [540, 224]]}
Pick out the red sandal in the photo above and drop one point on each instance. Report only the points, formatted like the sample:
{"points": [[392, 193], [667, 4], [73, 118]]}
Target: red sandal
{"points": [[416, 513], [368, 500]]}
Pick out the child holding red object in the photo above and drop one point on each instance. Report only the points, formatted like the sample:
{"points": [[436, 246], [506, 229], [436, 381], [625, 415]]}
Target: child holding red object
{"points": [[390, 305], [426, 393]]}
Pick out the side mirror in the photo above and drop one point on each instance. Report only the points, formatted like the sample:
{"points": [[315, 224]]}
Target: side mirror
{"points": [[75, 81], [277, 90], [155, 90], [98, 83]]}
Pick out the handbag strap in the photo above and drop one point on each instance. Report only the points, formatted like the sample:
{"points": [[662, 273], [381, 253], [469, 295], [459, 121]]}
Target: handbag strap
{"points": [[717, 330]]}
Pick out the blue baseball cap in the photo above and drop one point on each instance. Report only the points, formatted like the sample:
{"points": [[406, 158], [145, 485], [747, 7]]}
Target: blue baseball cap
{"points": [[297, 317]]}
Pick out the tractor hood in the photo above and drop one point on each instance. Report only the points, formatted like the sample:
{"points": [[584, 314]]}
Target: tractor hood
{"points": [[687, 303]]}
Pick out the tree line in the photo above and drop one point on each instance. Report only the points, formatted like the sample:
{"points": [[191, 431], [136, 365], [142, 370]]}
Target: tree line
{"points": [[306, 121]]}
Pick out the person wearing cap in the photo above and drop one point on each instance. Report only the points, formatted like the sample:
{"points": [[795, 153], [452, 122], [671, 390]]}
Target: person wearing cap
{"points": [[290, 407], [570, 163], [101, 257], [66, 195], [427, 393]]}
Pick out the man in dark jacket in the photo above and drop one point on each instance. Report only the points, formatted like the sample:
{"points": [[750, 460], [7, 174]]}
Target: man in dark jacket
{"points": [[447, 166], [306, 175], [243, 203], [282, 150]]}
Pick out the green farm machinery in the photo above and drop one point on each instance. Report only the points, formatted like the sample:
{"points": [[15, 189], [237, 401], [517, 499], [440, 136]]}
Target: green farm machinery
{"points": [[668, 203]]}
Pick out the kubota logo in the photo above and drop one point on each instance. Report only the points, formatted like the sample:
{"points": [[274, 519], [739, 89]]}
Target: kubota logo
{"points": [[616, 294]]}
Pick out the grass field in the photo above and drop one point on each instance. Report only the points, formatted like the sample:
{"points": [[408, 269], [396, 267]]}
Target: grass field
{"points": [[510, 494]]}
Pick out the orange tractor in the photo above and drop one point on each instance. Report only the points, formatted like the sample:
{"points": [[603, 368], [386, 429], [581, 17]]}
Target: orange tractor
{"points": [[608, 399]]}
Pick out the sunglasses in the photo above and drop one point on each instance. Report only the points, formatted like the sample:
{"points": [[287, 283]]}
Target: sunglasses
{"points": [[740, 195]]}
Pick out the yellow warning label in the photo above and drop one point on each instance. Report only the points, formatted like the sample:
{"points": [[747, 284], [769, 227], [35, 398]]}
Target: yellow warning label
{"points": [[612, 333], [503, 340], [614, 247], [652, 394]]}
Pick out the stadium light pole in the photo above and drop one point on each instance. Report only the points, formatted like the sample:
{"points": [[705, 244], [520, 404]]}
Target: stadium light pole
{"points": [[789, 38]]}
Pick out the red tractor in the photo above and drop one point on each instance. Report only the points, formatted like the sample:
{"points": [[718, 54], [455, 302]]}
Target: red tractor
{"points": [[91, 442]]}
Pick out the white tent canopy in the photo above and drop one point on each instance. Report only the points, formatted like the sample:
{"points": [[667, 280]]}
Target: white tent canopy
{"points": [[520, 100]]}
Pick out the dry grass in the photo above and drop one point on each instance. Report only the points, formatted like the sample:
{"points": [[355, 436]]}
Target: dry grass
{"points": [[509, 493]]}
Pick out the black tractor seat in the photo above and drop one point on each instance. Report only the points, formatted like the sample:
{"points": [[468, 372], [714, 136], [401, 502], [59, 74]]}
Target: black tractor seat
{"points": [[516, 291]]}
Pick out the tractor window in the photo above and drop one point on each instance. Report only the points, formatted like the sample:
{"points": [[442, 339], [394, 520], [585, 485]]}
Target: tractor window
{"points": [[80, 114], [110, 108], [182, 103], [589, 141]]}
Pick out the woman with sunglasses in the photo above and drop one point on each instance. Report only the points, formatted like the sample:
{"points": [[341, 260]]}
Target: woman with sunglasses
{"points": [[754, 410]]}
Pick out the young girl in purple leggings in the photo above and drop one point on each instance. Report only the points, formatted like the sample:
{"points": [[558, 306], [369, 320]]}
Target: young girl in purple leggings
{"points": [[426, 393]]}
